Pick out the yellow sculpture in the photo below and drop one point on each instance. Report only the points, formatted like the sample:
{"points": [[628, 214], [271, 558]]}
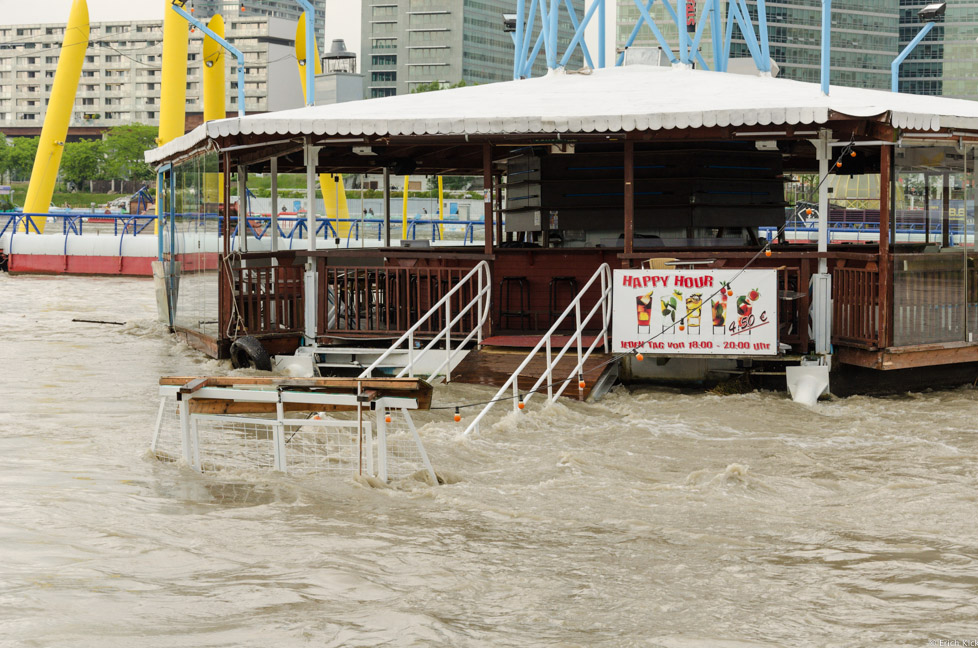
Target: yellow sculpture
{"points": [[334, 193], [215, 101], [173, 85], [173, 82], [60, 104]]}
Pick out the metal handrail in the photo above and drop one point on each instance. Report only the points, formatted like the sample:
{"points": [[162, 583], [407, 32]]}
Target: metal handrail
{"points": [[484, 285], [603, 274]]}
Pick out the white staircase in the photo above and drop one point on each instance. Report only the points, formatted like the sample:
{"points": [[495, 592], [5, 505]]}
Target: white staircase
{"points": [[600, 313], [442, 352]]}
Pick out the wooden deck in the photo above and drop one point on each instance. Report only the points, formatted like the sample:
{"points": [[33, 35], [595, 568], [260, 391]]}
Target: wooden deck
{"points": [[492, 366]]}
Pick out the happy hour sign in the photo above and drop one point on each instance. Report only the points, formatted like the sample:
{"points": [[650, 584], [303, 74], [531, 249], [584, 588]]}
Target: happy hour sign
{"points": [[696, 312]]}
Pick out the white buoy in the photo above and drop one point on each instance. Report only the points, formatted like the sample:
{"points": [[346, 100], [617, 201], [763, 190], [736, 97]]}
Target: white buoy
{"points": [[807, 383]]}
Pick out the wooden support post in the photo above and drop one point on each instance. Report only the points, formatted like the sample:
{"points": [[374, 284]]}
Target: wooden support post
{"points": [[629, 196], [487, 195], [885, 267], [946, 212], [499, 208], [926, 208]]}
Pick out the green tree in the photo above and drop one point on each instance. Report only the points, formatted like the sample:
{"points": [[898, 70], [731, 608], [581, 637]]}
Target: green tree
{"points": [[4, 154], [21, 157], [82, 161], [124, 147], [437, 85]]}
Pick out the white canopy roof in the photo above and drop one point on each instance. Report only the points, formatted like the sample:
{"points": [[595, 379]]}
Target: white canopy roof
{"points": [[609, 100]]}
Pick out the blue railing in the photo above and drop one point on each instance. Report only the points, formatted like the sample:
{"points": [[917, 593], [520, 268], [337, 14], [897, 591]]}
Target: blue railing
{"points": [[74, 223], [868, 230], [290, 228]]}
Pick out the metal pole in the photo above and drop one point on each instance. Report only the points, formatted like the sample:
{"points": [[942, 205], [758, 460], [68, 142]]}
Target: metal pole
{"points": [[274, 171], [487, 194], [629, 196], [823, 151], [886, 157], [242, 210], [895, 65], [311, 192], [518, 39], [310, 278], [762, 35], [681, 7], [310, 51], [716, 33], [826, 44], [387, 207], [601, 35], [552, 48], [226, 45]]}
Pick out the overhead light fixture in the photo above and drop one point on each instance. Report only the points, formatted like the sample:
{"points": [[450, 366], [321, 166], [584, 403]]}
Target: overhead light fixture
{"points": [[403, 167], [363, 150], [509, 22], [932, 11]]}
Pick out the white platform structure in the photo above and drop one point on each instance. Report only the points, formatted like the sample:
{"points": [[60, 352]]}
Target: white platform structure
{"points": [[294, 426]]}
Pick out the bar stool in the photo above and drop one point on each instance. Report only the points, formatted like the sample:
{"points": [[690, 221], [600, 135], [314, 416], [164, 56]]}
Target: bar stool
{"points": [[556, 283], [522, 309]]}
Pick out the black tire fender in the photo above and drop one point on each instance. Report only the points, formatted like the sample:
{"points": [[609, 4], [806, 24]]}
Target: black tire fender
{"points": [[247, 351]]}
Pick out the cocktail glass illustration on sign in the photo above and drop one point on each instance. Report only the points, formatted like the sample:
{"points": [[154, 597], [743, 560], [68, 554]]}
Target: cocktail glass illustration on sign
{"points": [[694, 312], [719, 313], [669, 306], [643, 308], [745, 309]]}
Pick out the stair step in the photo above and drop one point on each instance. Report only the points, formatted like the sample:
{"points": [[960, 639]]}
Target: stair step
{"points": [[493, 367]]}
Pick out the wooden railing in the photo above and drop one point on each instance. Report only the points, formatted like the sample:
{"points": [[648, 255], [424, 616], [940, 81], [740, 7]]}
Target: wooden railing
{"points": [[855, 312], [386, 301], [269, 298]]}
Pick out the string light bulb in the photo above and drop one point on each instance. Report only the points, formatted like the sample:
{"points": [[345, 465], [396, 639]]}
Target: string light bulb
{"points": [[639, 357], [838, 165], [580, 382], [808, 212], [387, 419], [853, 154], [458, 417], [767, 250]]}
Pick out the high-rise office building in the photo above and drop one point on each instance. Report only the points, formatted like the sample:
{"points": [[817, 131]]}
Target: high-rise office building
{"points": [[121, 75], [409, 43], [946, 61]]}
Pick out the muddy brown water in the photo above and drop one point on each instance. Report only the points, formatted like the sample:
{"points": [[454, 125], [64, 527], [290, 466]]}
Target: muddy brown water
{"points": [[653, 518]]}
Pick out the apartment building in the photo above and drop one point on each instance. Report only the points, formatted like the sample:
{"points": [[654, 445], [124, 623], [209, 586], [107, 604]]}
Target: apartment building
{"points": [[408, 43], [120, 82], [289, 10]]}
